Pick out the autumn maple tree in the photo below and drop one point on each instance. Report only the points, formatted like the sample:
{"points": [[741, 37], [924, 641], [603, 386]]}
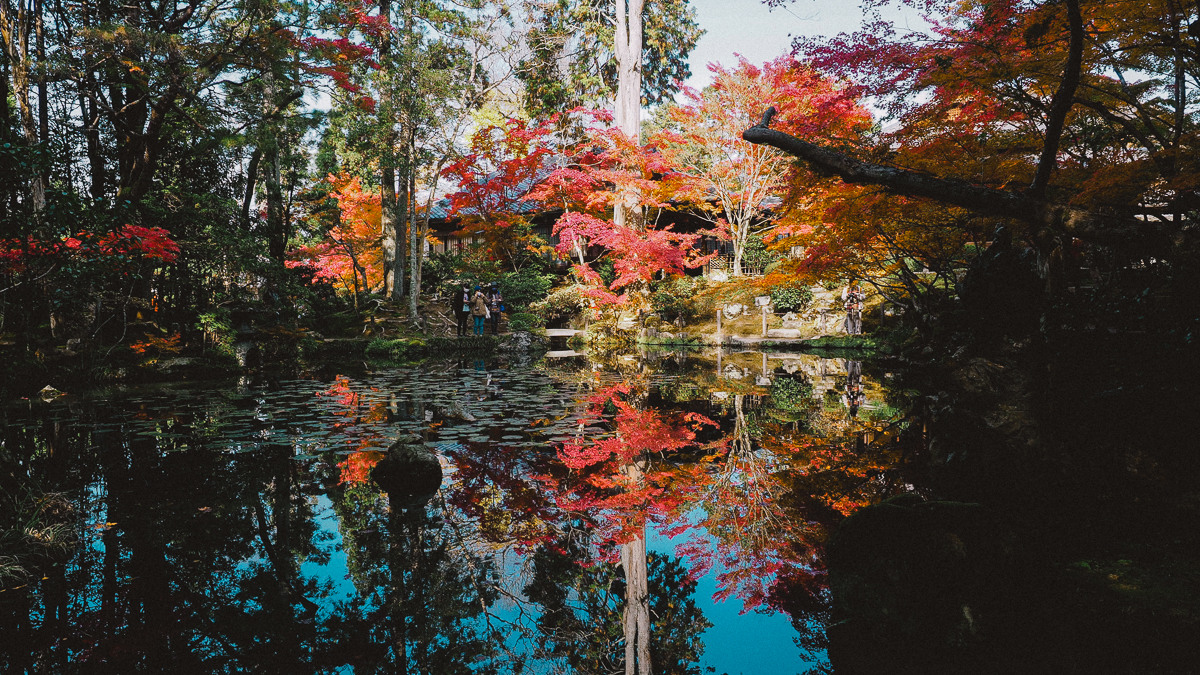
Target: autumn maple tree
{"points": [[495, 177], [729, 180], [519, 167], [1066, 119], [352, 251]]}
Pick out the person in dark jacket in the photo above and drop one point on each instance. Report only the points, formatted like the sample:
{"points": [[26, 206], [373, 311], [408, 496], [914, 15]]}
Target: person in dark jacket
{"points": [[461, 304], [496, 305]]}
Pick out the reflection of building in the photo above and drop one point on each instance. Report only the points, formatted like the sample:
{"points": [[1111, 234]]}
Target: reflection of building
{"points": [[829, 377]]}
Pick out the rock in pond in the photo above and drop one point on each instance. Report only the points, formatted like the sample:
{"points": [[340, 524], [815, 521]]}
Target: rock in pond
{"points": [[410, 473], [522, 341]]}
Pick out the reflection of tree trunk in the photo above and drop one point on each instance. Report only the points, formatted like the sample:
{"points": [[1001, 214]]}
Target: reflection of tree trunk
{"points": [[637, 597], [405, 550], [282, 572], [741, 431]]}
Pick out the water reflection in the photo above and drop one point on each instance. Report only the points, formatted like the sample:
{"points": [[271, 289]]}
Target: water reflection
{"points": [[269, 528]]}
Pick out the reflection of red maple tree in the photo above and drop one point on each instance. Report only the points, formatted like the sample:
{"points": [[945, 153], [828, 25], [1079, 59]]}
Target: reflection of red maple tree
{"points": [[359, 425]]}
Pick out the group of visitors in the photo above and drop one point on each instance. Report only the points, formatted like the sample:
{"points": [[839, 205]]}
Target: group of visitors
{"points": [[480, 305]]}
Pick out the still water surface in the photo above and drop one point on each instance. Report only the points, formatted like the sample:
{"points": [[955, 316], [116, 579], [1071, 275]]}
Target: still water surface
{"points": [[591, 514]]}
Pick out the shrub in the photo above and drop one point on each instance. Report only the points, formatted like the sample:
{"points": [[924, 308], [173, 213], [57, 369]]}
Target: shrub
{"points": [[525, 321], [562, 304], [440, 267], [681, 296], [395, 350], [217, 327], [521, 289], [756, 255], [791, 297]]}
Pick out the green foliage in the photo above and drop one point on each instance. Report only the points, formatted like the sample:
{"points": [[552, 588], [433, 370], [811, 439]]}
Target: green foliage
{"points": [[218, 330], [585, 29], [440, 268], [791, 297], [333, 350], [562, 304], [756, 254], [791, 394], [479, 263], [36, 528], [681, 296], [606, 270], [521, 289], [395, 350], [525, 321]]}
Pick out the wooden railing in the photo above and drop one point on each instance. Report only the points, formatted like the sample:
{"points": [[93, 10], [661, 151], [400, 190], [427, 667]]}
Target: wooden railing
{"points": [[724, 263]]}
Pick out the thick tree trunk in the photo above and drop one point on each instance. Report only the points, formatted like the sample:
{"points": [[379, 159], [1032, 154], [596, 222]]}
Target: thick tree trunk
{"points": [[276, 227], [251, 183], [393, 284], [1060, 105], [628, 109], [16, 25], [95, 151], [387, 218], [140, 148], [5, 112], [400, 237], [416, 248]]}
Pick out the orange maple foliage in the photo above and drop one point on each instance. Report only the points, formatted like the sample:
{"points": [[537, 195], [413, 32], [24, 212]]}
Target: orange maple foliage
{"points": [[166, 345], [352, 252]]}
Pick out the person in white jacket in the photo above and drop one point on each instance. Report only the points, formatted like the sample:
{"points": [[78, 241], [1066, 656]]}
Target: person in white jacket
{"points": [[852, 301]]}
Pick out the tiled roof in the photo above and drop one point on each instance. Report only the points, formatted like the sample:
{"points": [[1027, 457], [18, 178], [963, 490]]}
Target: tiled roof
{"points": [[441, 208]]}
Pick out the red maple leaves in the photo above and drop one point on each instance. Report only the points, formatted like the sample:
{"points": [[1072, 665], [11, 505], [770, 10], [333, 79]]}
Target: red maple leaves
{"points": [[127, 244]]}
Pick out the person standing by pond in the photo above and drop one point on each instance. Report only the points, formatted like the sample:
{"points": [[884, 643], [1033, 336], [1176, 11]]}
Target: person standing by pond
{"points": [[460, 303], [479, 309], [852, 298], [496, 305]]}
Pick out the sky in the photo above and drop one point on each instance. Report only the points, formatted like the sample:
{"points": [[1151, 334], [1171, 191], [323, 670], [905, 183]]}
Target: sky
{"points": [[750, 28]]}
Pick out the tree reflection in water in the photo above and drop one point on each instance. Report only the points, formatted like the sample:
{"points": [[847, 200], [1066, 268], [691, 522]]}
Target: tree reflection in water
{"points": [[207, 551]]}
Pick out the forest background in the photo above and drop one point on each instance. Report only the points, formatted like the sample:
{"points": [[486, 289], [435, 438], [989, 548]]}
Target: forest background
{"points": [[164, 170]]}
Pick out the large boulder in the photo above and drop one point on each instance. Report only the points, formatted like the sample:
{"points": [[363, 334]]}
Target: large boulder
{"points": [[410, 474]]}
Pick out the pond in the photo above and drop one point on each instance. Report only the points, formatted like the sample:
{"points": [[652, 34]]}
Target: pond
{"points": [[661, 509]]}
